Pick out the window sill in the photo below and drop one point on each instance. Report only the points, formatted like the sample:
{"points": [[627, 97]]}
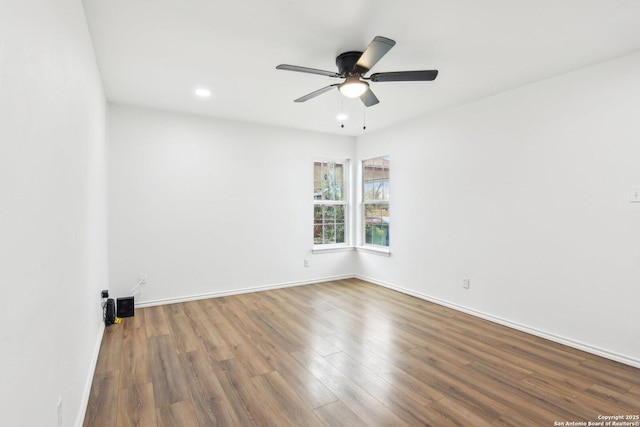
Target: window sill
{"points": [[374, 250], [331, 249]]}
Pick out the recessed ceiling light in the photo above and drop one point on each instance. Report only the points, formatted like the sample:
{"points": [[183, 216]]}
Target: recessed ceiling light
{"points": [[342, 116], [202, 92]]}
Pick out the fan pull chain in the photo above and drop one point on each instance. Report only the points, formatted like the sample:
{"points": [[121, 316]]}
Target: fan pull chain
{"points": [[364, 118], [342, 111]]}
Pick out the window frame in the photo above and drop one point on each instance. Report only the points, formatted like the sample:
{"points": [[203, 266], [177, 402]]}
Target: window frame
{"points": [[345, 202], [385, 181]]}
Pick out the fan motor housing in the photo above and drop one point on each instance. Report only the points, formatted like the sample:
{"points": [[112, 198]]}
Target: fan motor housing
{"points": [[346, 62]]}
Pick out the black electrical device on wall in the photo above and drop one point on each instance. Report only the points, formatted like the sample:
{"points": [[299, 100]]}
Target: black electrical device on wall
{"points": [[125, 307], [110, 312]]}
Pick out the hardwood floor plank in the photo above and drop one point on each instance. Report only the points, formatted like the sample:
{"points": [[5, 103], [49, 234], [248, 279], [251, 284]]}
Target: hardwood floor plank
{"points": [[612, 373], [410, 407], [205, 325], [184, 336], [136, 407], [506, 387], [627, 400], [344, 352], [102, 406], [156, 323], [473, 348], [470, 393], [291, 409], [337, 414], [177, 414], [517, 419], [583, 405], [277, 332], [244, 397], [353, 396], [134, 353], [245, 351], [484, 350], [207, 394], [169, 384], [300, 380], [457, 412], [109, 356], [412, 386], [634, 392], [348, 344]]}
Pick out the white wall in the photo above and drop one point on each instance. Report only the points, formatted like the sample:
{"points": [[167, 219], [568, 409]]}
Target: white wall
{"points": [[53, 258], [526, 193], [209, 206]]}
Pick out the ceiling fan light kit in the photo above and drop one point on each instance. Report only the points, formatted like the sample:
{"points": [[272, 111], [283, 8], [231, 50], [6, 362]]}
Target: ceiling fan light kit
{"points": [[352, 66], [353, 87]]}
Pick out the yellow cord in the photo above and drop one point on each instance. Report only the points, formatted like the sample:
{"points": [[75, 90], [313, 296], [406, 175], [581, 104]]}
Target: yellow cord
{"points": [[118, 320]]}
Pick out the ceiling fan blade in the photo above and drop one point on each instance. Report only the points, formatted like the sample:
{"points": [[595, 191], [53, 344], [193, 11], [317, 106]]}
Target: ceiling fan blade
{"points": [[307, 70], [405, 76], [316, 93], [378, 48], [368, 98]]}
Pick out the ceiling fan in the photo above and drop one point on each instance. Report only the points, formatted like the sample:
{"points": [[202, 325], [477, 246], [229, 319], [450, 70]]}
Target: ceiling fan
{"points": [[352, 66]]}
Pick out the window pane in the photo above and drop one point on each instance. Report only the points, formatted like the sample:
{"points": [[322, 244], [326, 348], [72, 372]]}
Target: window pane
{"points": [[377, 210], [340, 233], [376, 189], [317, 215], [329, 218], [377, 232], [317, 190], [328, 232], [329, 213], [375, 198], [380, 235], [329, 224], [334, 189], [378, 169], [368, 191], [368, 170], [317, 234], [384, 192], [339, 175], [328, 181], [375, 183]]}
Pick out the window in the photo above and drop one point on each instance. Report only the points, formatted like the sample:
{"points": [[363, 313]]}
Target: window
{"points": [[375, 201], [330, 203]]}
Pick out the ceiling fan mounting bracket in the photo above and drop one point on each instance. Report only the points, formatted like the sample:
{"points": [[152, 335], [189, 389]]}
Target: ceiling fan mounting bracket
{"points": [[346, 63]]}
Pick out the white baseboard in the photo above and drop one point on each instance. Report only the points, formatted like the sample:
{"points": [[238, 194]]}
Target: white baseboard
{"points": [[514, 325], [219, 294], [89, 381]]}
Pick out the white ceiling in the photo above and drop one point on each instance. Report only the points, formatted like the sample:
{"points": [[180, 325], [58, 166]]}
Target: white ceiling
{"points": [[156, 52]]}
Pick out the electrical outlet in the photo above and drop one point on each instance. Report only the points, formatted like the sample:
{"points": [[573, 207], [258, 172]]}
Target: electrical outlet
{"points": [[142, 278], [466, 282], [634, 194], [306, 262]]}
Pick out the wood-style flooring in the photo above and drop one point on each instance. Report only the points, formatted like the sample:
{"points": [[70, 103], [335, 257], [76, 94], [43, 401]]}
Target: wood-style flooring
{"points": [[343, 353]]}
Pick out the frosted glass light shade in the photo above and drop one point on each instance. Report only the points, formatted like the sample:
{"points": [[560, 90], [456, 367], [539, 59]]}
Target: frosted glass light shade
{"points": [[353, 87]]}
